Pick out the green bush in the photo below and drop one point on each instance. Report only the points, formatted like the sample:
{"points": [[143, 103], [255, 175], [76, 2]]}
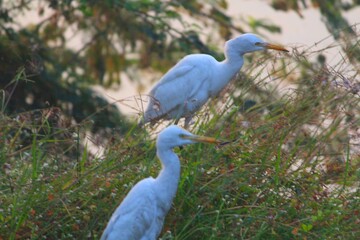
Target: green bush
{"points": [[290, 169]]}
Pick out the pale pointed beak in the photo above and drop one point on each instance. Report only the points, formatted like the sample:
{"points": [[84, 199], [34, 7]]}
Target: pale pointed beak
{"points": [[274, 47], [202, 139]]}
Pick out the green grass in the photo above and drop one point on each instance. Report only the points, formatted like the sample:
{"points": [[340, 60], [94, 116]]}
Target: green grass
{"points": [[289, 171]]}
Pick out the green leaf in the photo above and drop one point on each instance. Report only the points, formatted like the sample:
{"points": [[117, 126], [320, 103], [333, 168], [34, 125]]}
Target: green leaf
{"points": [[306, 227]]}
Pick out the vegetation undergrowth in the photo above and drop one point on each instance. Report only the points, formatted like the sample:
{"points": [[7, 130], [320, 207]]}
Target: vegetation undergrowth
{"points": [[290, 169]]}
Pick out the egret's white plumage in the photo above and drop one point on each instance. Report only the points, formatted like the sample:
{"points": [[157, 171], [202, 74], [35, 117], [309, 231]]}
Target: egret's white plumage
{"points": [[197, 77], [142, 212]]}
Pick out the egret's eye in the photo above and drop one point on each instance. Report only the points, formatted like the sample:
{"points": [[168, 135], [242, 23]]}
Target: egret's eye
{"points": [[182, 135], [185, 136], [258, 44]]}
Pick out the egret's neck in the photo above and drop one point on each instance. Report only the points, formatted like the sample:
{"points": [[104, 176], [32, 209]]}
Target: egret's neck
{"points": [[233, 59], [168, 179], [226, 71]]}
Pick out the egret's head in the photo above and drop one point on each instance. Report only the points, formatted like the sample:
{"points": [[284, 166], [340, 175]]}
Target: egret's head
{"points": [[249, 42], [174, 136]]}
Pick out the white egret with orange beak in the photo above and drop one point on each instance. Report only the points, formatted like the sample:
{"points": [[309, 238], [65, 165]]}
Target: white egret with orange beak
{"points": [[142, 212], [198, 77]]}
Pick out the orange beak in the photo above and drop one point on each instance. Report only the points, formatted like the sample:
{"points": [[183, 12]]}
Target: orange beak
{"points": [[202, 139], [274, 47]]}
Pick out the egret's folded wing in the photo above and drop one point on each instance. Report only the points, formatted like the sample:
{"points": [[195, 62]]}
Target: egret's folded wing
{"points": [[181, 84], [134, 217]]}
